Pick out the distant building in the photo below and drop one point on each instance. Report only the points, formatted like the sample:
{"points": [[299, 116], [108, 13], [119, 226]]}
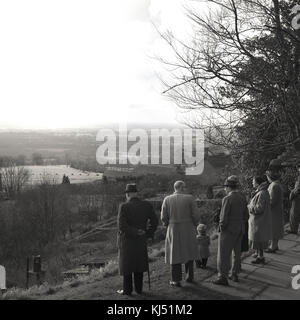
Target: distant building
{"points": [[217, 166], [118, 172]]}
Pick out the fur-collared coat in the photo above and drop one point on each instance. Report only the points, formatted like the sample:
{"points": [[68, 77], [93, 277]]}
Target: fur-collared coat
{"points": [[260, 220]]}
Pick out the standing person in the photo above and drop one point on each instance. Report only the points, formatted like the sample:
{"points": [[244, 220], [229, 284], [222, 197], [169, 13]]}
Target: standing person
{"points": [[136, 222], [295, 208], [276, 201], [178, 213], [203, 246], [234, 214], [260, 218]]}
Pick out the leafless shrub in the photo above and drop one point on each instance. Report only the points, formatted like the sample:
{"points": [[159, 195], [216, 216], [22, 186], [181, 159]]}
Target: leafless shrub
{"points": [[13, 179]]}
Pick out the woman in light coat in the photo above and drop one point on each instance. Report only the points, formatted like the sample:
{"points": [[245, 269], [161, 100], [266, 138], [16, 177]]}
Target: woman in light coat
{"points": [[259, 219], [276, 200]]}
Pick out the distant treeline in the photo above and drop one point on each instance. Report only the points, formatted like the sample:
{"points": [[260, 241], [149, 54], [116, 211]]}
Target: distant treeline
{"points": [[22, 160], [6, 161]]}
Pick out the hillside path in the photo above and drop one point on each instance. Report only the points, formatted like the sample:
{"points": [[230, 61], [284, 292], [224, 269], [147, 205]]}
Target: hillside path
{"points": [[273, 280]]}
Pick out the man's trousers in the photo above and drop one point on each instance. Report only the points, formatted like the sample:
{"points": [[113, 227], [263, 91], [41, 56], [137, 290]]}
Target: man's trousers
{"points": [[227, 243], [138, 282]]}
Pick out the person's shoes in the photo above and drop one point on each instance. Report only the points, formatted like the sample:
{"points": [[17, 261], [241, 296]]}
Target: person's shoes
{"points": [[123, 293], [258, 260], [189, 280], [255, 255], [175, 284], [234, 278], [139, 292], [221, 282]]}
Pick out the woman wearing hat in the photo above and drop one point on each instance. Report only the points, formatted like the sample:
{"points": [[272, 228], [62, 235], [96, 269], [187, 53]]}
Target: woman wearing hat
{"points": [[276, 201], [260, 218]]}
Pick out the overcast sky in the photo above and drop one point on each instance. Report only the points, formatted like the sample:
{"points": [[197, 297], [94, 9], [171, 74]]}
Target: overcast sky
{"points": [[70, 63]]}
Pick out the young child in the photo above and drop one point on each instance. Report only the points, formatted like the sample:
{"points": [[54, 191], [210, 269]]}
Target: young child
{"points": [[203, 246]]}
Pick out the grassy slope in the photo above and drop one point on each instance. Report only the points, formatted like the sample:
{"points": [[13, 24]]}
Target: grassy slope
{"points": [[105, 288], [102, 284]]}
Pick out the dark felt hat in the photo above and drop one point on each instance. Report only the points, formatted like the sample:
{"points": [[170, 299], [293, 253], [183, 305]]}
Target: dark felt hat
{"points": [[131, 188]]}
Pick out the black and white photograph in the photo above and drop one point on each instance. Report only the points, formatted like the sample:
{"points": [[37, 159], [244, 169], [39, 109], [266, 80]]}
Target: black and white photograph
{"points": [[149, 153]]}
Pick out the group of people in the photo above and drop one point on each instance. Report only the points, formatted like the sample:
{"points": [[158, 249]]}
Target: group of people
{"points": [[186, 241], [65, 180], [263, 215]]}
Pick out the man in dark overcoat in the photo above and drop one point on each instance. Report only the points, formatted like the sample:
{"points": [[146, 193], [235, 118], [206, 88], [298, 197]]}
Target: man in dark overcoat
{"points": [[136, 222]]}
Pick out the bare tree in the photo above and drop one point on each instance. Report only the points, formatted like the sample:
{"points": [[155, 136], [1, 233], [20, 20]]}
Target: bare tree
{"points": [[239, 77], [13, 178]]}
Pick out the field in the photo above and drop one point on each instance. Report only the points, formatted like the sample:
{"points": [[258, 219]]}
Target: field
{"points": [[57, 172]]}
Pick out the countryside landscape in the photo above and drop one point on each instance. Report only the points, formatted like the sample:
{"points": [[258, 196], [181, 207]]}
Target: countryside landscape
{"points": [[73, 226], [108, 108]]}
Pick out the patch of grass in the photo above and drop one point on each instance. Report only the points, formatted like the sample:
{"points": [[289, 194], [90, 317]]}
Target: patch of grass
{"points": [[26, 294], [111, 268], [34, 292]]}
